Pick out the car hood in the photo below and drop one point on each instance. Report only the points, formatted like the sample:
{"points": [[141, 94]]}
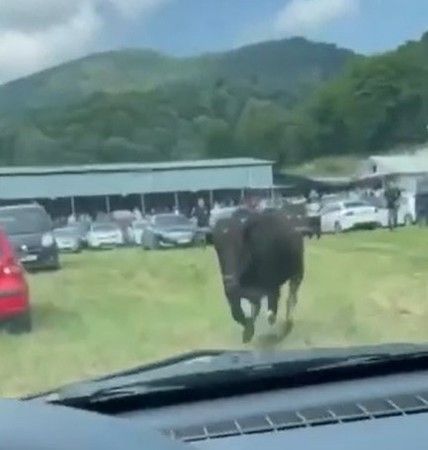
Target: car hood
{"points": [[29, 240], [65, 236], [105, 233], [174, 229]]}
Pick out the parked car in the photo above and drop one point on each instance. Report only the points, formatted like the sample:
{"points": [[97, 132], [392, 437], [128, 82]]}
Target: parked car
{"points": [[295, 209], [105, 234], [169, 230], [221, 213], [68, 239], [136, 230], [347, 215], [14, 292], [29, 229]]}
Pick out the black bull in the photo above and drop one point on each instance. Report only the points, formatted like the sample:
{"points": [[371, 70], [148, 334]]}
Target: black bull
{"points": [[257, 254]]}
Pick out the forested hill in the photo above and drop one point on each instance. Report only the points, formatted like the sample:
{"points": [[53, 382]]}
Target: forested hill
{"points": [[139, 105], [379, 104]]}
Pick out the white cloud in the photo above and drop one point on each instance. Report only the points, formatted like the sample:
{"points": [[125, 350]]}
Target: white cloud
{"points": [[23, 52], [131, 8], [303, 17], [36, 34], [27, 15]]}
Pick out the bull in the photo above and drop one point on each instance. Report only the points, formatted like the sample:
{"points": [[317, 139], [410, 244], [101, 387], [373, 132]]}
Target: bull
{"points": [[258, 253]]}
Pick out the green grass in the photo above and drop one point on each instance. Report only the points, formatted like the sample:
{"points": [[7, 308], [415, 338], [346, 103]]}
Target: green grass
{"points": [[111, 310]]}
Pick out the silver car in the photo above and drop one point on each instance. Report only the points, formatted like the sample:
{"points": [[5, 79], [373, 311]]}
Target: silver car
{"points": [[68, 239], [169, 230], [105, 234]]}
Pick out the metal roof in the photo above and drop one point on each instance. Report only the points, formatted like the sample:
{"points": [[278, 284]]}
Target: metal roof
{"points": [[125, 179], [134, 167], [400, 164]]}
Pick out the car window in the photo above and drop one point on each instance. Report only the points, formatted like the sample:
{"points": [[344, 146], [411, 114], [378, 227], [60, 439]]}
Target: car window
{"points": [[66, 231], [148, 137], [331, 209], [105, 227], [171, 220], [355, 204], [24, 221]]}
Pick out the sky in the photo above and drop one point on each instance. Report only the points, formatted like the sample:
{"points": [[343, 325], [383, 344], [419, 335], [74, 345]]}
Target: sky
{"points": [[36, 34]]}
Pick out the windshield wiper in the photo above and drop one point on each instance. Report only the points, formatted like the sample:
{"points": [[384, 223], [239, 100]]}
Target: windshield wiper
{"points": [[241, 372]]}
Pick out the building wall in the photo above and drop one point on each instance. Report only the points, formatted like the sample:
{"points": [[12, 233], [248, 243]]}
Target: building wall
{"points": [[123, 183]]}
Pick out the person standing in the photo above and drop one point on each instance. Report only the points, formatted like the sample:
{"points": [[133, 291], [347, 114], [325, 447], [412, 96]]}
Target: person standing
{"points": [[392, 197], [202, 213]]}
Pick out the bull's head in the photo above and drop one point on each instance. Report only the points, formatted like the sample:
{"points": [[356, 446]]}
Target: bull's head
{"points": [[228, 243]]}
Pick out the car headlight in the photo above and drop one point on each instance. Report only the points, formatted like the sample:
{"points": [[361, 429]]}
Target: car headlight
{"points": [[47, 240]]}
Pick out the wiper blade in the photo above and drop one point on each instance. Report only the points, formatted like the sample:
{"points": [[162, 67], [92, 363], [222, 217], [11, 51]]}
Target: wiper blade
{"points": [[377, 358], [203, 371], [112, 393]]}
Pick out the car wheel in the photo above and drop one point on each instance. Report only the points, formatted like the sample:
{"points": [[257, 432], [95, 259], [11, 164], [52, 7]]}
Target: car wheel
{"points": [[21, 324], [337, 227]]}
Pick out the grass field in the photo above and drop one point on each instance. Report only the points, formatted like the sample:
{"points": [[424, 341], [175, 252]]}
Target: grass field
{"points": [[111, 310]]}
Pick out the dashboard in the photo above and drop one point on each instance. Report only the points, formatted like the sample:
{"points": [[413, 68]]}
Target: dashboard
{"points": [[388, 412]]}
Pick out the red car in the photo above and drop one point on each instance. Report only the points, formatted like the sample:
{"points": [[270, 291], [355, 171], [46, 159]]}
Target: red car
{"points": [[14, 292]]}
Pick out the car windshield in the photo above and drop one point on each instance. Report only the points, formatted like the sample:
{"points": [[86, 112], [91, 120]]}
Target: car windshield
{"points": [[104, 227], [69, 231], [355, 205], [171, 221], [140, 225], [169, 166], [24, 221]]}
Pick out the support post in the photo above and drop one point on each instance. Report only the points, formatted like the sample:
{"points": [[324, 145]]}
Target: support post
{"points": [[108, 204], [242, 195], [143, 205], [73, 206]]}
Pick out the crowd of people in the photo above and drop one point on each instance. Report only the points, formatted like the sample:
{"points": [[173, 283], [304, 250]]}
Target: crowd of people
{"points": [[201, 211]]}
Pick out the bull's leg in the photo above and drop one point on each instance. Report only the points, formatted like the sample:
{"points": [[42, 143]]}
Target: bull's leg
{"points": [[239, 316], [292, 296], [273, 298]]}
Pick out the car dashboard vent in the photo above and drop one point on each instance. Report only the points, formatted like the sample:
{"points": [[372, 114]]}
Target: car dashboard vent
{"points": [[311, 417]]}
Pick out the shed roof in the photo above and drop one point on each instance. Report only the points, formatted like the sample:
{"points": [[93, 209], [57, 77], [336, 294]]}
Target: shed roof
{"points": [[404, 164], [134, 167]]}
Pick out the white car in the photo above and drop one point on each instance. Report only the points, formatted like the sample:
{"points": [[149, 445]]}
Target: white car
{"points": [[68, 239], [106, 234], [136, 231], [221, 213], [347, 215]]}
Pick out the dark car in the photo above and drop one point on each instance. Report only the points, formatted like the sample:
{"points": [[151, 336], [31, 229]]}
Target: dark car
{"points": [[29, 228], [169, 230]]}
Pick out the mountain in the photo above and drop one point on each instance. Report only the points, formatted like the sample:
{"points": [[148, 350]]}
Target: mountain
{"points": [[291, 65], [139, 105]]}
